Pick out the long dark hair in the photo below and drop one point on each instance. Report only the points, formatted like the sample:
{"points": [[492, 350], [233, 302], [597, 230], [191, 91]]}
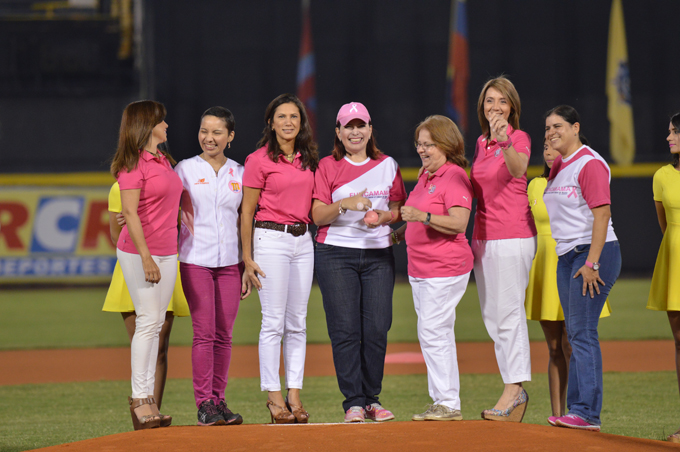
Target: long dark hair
{"points": [[569, 114], [139, 119], [304, 142], [675, 120]]}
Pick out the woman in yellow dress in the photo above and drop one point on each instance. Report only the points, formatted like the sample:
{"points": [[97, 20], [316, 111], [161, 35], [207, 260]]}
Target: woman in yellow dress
{"points": [[664, 294], [542, 301], [118, 300]]}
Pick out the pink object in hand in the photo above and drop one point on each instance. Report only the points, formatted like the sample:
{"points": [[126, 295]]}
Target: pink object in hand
{"points": [[371, 217]]}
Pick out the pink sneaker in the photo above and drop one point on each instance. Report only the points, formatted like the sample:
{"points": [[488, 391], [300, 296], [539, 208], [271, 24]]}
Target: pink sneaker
{"points": [[355, 414], [551, 421], [377, 413], [573, 421]]}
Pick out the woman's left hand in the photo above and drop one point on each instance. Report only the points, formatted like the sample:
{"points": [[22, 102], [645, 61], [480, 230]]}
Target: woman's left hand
{"points": [[591, 278], [409, 213], [384, 216]]}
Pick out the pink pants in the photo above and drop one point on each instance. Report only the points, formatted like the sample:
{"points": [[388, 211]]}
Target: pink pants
{"points": [[213, 295]]}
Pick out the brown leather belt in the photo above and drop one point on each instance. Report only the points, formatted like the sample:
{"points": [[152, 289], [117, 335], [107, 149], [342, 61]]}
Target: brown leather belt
{"points": [[296, 229]]}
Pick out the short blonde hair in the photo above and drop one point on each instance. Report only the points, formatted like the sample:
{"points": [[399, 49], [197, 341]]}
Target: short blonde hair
{"points": [[446, 136], [507, 89]]}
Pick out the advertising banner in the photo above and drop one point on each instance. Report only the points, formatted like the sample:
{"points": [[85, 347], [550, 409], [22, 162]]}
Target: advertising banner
{"points": [[50, 234]]}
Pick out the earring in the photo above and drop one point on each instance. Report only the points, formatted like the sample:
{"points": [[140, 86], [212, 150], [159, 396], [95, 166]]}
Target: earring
{"points": [[229, 145]]}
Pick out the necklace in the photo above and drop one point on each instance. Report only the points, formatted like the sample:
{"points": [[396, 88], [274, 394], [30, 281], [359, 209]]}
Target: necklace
{"points": [[290, 157]]}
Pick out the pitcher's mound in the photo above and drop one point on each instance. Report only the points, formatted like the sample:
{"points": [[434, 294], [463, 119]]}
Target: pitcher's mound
{"points": [[396, 436]]}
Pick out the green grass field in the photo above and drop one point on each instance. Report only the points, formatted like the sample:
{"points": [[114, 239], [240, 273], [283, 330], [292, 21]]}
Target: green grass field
{"points": [[635, 404], [65, 318]]}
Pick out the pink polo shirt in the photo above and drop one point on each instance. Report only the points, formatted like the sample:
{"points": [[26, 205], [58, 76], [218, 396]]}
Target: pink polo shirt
{"points": [[502, 205], [158, 207], [286, 190], [432, 254]]}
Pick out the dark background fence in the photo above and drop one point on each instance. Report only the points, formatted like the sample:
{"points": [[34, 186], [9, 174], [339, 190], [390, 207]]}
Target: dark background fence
{"points": [[63, 85]]}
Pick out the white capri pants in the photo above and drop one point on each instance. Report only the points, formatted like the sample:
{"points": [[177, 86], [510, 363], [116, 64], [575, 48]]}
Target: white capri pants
{"points": [[288, 262], [151, 303], [435, 300], [502, 273]]}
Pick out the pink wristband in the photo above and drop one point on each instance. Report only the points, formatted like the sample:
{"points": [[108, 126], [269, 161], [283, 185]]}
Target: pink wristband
{"points": [[505, 144]]}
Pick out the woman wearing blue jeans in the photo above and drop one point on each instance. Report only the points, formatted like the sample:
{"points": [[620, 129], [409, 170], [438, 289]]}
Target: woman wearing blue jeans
{"points": [[589, 258], [353, 257]]}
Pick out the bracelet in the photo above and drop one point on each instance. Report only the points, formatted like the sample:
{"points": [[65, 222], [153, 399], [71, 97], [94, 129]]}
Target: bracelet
{"points": [[505, 145], [341, 210], [427, 219], [395, 238], [391, 216]]}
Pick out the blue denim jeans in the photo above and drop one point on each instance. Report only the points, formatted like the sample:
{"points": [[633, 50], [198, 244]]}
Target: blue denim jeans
{"points": [[581, 316], [357, 285]]}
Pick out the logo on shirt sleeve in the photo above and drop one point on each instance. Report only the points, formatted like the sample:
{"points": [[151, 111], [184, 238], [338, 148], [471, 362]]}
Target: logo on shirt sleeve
{"points": [[234, 186]]}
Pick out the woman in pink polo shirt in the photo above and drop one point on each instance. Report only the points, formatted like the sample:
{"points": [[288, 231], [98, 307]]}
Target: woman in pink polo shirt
{"points": [[439, 257], [503, 239], [147, 246], [210, 261], [354, 258], [279, 253]]}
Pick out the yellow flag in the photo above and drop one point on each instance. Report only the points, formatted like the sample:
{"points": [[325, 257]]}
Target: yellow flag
{"points": [[620, 109]]}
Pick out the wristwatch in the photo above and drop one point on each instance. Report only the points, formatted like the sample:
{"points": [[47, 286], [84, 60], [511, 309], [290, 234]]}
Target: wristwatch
{"points": [[594, 265], [427, 219]]}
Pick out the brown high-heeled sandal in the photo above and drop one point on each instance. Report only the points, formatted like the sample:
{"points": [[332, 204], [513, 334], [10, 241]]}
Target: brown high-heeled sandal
{"points": [[145, 421], [282, 417], [166, 420], [301, 416]]}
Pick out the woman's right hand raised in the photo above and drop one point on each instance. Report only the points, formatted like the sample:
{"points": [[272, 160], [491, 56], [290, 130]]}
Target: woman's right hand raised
{"points": [[250, 277], [152, 273], [357, 202]]}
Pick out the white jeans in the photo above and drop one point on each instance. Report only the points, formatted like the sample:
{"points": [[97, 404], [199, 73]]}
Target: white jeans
{"points": [[435, 300], [502, 273], [151, 302], [288, 263]]}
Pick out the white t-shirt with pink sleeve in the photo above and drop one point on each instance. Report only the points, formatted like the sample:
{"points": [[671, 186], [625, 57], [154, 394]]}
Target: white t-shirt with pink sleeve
{"points": [[433, 254], [335, 180], [576, 185]]}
